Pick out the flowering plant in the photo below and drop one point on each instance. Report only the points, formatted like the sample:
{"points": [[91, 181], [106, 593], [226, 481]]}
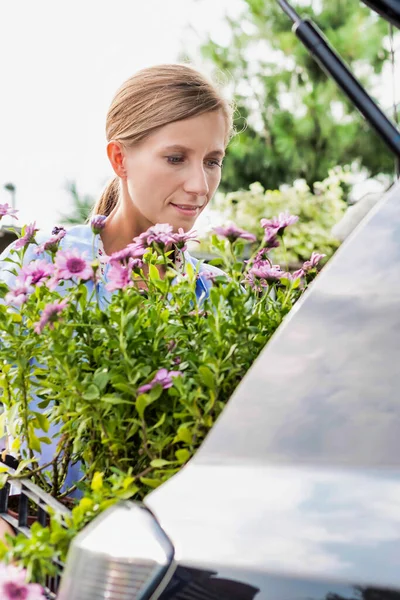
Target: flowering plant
{"points": [[319, 209], [124, 375]]}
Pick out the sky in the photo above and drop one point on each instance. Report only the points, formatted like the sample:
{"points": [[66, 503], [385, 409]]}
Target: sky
{"points": [[61, 63]]}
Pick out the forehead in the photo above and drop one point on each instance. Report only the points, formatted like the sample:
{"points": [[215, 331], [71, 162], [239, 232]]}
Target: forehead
{"points": [[205, 133]]}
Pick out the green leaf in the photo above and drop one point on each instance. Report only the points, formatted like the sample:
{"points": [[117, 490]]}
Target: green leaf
{"points": [[42, 421], [114, 399], [184, 435], [97, 482], [92, 393], [207, 376], [158, 463], [3, 479], [154, 275], [153, 483], [160, 422], [141, 403], [182, 455], [101, 379], [34, 442]]}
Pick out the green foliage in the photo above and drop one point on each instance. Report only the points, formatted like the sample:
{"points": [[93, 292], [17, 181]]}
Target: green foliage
{"points": [[299, 124], [318, 210]]}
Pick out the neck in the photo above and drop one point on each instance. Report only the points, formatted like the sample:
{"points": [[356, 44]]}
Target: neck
{"points": [[123, 224]]}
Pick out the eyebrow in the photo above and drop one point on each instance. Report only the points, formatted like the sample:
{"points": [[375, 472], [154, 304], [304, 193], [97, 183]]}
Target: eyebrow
{"points": [[179, 148]]}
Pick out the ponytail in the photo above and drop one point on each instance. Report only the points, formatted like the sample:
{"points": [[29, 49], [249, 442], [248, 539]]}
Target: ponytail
{"points": [[108, 200]]}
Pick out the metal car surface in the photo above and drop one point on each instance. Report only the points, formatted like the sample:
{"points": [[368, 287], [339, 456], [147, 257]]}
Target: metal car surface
{"points": [[296, 491]]}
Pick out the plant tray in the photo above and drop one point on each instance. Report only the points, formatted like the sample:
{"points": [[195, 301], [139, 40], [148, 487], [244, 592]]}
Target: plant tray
{"points": [[30, 495]]}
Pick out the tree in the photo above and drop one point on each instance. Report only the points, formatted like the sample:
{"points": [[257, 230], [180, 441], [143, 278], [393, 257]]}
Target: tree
{"points": [[82, 206], [299, 123]]}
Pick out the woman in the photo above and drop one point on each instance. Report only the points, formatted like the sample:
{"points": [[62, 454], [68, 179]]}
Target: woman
{"points": [[167, 129]]}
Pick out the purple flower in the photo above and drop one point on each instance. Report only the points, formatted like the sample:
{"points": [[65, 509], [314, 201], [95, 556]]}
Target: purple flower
{"points": [[313, 262], [13, 585], [181, 239], [97, 223], [160, 234], [163, 377], [233, 233], [50, 315], [296, 274], [119, 276], [58, 229], [279, 223], [271, 238], [70, 264], [18, 296], [52, 243], [28, 237], [265, 272], [35, 273], [134, 250], [261, 258], [7, 211]]}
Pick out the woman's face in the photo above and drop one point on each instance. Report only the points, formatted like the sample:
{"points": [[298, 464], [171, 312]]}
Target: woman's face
{"points": [[171, 176]]}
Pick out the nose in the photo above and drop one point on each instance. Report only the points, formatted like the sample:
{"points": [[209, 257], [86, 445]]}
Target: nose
{"points": [[196, 182]]}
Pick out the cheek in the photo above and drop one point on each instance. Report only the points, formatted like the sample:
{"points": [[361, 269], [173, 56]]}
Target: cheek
{"points": [[214, 181]]}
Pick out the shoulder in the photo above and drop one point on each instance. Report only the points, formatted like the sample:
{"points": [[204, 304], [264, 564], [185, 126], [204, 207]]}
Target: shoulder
{"points": [[78, 236]]}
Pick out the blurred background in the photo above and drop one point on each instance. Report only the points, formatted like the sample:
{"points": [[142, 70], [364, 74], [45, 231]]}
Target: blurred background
{"points": [[300, 145]]}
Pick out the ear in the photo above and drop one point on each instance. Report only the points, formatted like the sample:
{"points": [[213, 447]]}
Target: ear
{"points": [[116, 156]]}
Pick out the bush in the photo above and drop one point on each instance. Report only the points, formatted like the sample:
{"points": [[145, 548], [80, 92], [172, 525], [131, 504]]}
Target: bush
{"points": [[319, 210]]}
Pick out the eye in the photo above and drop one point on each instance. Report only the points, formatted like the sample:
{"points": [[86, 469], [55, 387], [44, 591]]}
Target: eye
{"points": [[175, 160], [213, 162]]}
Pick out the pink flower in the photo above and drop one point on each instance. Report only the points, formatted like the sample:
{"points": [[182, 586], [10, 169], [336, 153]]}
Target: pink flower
{"points": [[163, 377], [7, 211], [97, 223], [36, 272], [159, 234], [119, 276], [313, 262], [261, 258], [265, 274], [28, 237], [13, 585], [52, 243], [50, 315], [17, 296], [181, 239], [134, 250], [279, 223], [283, 220], [70, 264], [296, 274], [233, 233], [271, 238]]}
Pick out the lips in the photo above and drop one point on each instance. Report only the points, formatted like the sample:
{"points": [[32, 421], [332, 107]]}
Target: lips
{"points": [[187, 209]]}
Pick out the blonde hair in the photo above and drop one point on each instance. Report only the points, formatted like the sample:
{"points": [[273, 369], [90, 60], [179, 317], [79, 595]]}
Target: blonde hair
{"points": [[154, 97]]}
